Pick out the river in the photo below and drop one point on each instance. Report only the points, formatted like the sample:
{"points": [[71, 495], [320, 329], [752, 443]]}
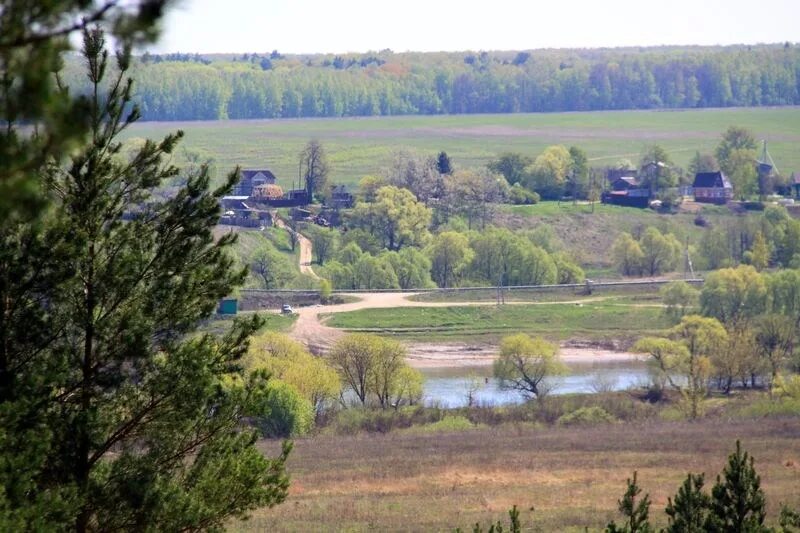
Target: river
{"points": [[450, 387]]}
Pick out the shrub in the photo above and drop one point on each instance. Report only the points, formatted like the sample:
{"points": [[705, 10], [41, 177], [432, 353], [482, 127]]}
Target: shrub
{"points": [[518, 195], [586, 416], [448, 423], [281, 412]]}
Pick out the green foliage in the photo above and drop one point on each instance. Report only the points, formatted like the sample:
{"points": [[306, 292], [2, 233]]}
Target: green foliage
{"points": [[396, 218], [586, 416], [518, 195], [734, 295], [325, 290], [790, 519], [628, 255], [737, 502], [114, 409], [525, 363], [323, 242], [33, 38], [678, 296], [689, 512], [661, 253], [443, 164], [373, 367], [290, 362], [635, 511], [548, 174], [280, 411], [271, 267], [449, 254], [736, 154], [511, 166]]}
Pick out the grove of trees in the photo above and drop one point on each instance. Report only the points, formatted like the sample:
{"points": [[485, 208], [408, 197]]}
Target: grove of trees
{"points": [[498, 82]]}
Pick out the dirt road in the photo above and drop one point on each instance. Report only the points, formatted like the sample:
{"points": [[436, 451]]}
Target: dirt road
{"points": [[310, 330], [305, 249]]}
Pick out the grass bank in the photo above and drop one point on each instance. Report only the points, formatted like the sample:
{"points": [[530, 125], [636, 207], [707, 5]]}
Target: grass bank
{"points": [[596, 320]]}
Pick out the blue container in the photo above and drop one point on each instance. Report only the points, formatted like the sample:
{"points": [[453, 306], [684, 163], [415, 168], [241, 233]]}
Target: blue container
{"points": [[228, 306]]}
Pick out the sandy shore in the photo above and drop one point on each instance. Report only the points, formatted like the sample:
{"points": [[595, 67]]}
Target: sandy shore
{"points": [[462, 355]]}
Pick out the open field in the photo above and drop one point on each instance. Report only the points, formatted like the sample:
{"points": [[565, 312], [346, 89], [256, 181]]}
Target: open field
{"points": [[273, 322], [599, 319], [361, 146], [572, 476], [590, 236]]}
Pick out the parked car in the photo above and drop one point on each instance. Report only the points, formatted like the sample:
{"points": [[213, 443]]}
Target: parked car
{"points": [[287, 309]]}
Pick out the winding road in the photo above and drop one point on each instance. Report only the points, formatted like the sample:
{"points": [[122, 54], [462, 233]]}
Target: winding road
{"points": [[311, 330]]}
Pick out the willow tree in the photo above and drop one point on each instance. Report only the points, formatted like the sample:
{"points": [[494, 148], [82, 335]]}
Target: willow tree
{"points": [[115, 412]]}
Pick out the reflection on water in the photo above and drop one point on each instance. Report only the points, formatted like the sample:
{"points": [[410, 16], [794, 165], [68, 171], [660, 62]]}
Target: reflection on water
{"points": [[450, 387]]}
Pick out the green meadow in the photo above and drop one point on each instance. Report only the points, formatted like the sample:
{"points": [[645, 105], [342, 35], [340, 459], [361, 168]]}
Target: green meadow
{"points": [[362, 146], [603, 319]]}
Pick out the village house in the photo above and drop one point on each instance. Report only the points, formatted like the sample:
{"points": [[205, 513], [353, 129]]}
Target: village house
{"points": [[628, 191], [341, 198], [252, 178], [712, 187]]}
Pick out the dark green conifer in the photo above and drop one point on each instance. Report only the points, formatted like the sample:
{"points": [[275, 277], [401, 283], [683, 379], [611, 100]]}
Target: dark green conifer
{"points": [[738, 504], [115, 414], [688, 513], [635, 512]]}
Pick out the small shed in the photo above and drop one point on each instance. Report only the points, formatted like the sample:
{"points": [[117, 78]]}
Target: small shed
{"points": [[228, 306], [712, 187]]}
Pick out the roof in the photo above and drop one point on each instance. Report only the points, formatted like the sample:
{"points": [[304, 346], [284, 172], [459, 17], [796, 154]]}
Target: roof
{"points": [[251, 173], [613, 174], [712, 180]]}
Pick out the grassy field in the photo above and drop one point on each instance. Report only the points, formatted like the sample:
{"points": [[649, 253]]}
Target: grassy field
{"points": [[597, 320], [589, 236], [573, 477], [273, 322], [362, 146], [249, 240]]}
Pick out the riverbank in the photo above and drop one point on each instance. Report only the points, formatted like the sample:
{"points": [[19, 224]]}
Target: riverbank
{"points": [[463, 355]]}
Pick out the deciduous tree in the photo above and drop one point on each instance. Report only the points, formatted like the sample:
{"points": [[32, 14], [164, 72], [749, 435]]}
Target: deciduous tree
{"points": [[525, 363], [450, 254], [314, 168], [628, 255], [396, 218]]}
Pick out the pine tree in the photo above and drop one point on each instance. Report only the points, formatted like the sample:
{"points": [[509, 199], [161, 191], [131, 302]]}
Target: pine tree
{"points": [[115, 412], [635, 512], [738, 504], [32, 40], [687, 514], [443, 164]]}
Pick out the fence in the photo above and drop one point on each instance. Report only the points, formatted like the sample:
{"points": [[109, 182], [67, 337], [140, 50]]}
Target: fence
{"points": [[587, 286]]}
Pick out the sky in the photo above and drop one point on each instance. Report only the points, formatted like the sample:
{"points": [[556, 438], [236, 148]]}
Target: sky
{"points": [[319, 26]]}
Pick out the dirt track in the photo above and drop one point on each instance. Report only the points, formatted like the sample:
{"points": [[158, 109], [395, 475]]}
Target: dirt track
{"points": [[305, 249], [310, 330]]}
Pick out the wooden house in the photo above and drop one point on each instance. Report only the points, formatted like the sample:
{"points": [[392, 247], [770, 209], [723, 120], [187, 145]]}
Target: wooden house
{"points": [[341, 198], [627, 191], [252, 178], [712, 187]]}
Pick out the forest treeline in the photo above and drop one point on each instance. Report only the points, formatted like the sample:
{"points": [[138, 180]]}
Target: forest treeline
{"points": [[248, 86]]}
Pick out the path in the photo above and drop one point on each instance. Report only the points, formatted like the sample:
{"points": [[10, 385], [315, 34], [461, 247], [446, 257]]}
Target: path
{"points": [[305, 249], [310, 330]]}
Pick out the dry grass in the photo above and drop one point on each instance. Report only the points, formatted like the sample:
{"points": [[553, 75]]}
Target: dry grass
{"points": [[573, 477]]}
